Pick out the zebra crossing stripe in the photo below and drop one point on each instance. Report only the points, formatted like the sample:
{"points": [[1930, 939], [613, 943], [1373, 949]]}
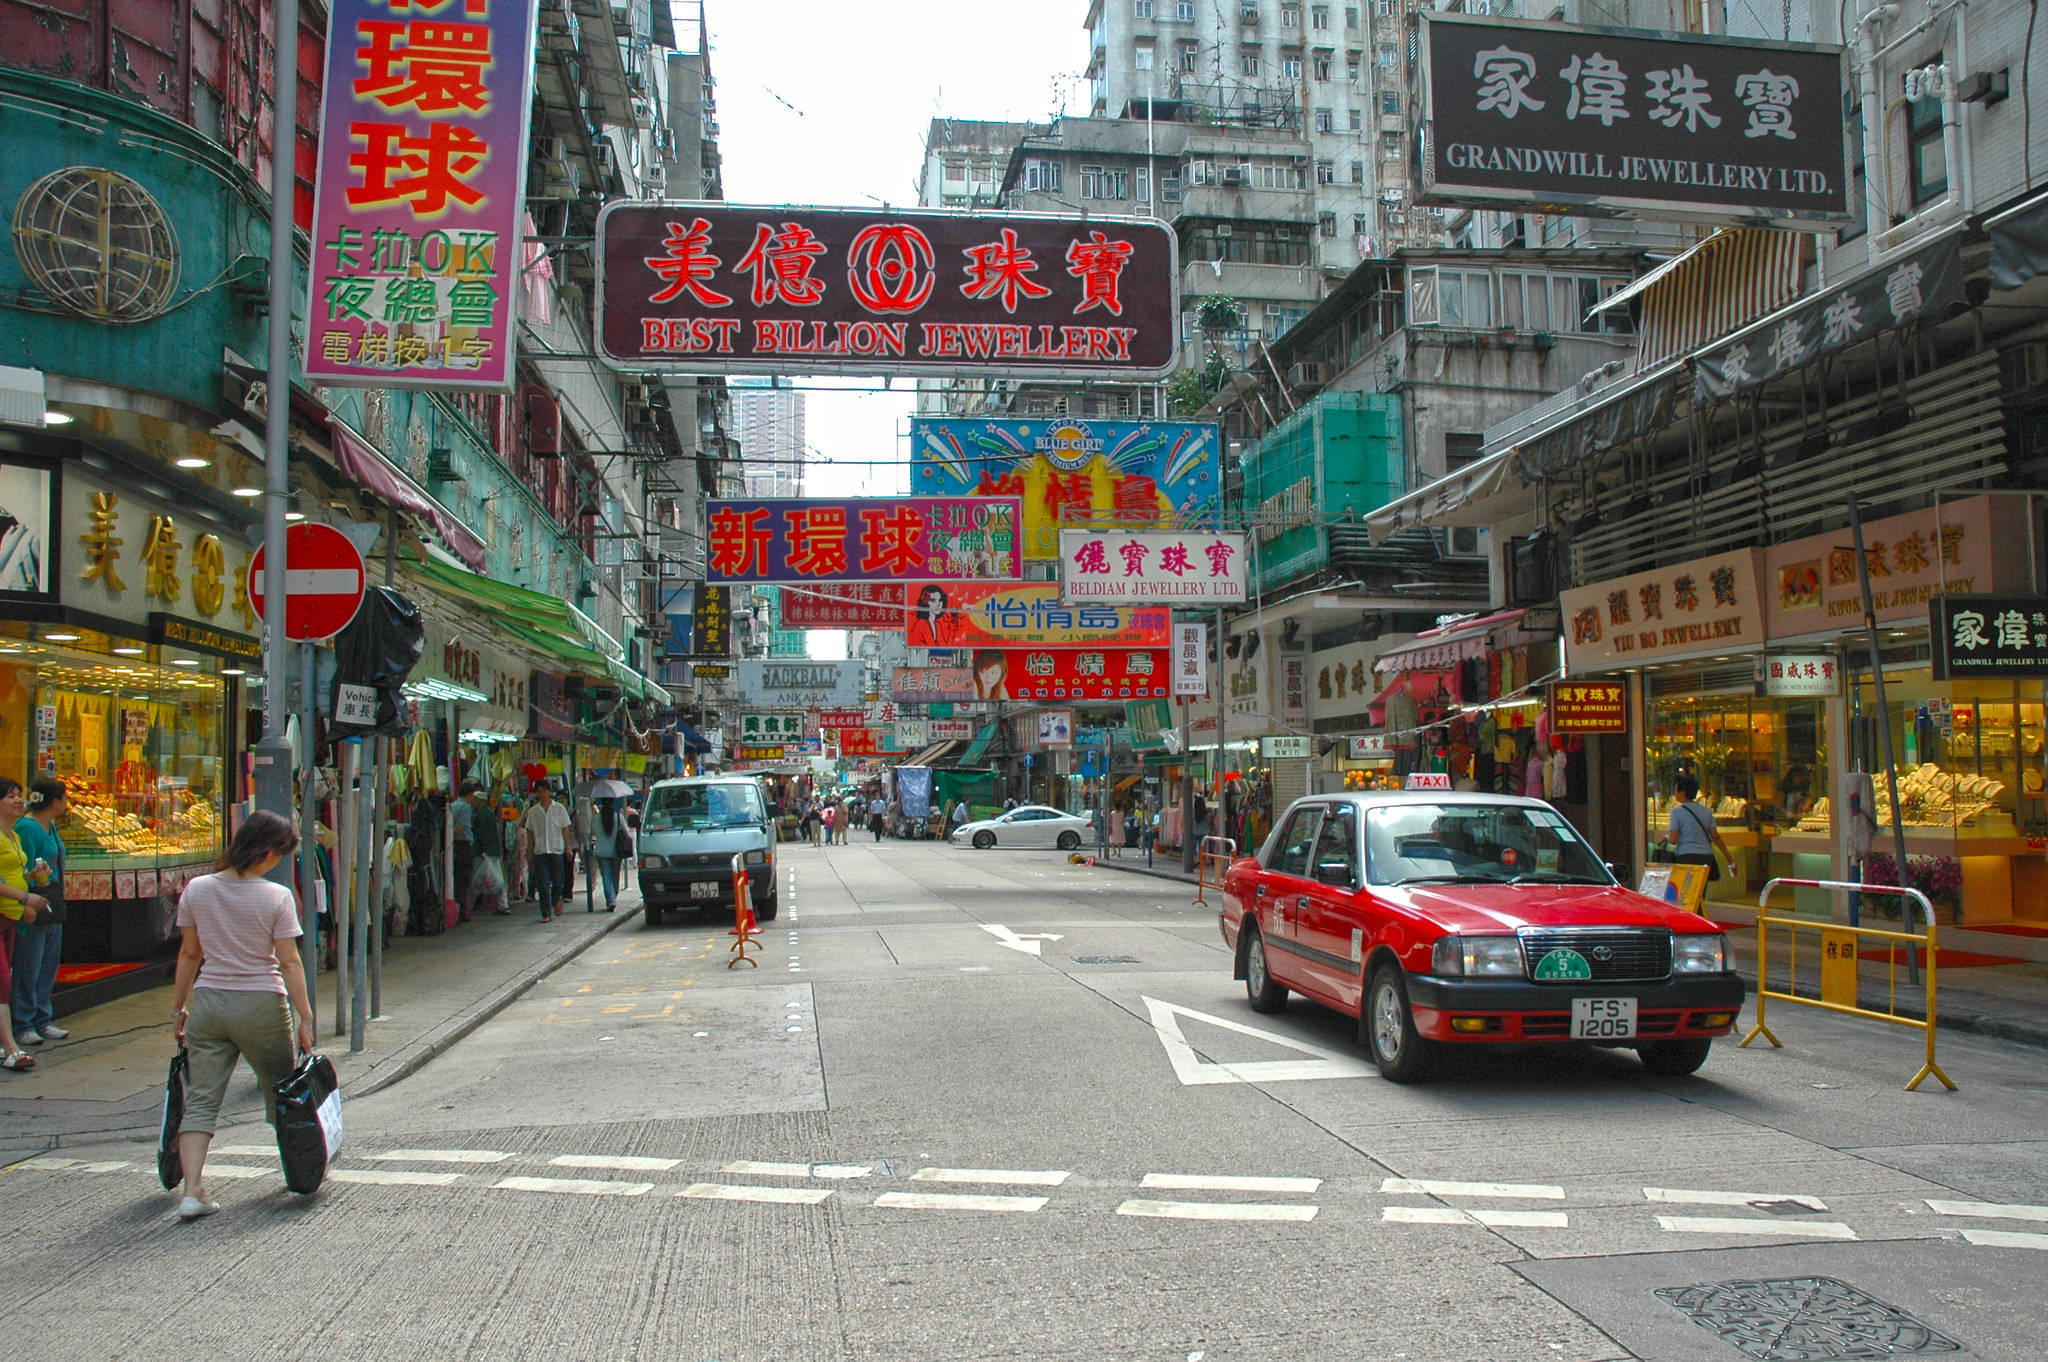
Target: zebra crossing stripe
{"points": [[958, 1201], [1685, 1197], [1775, 1229], [573, 1186], [1437, 1187], [443, 1155], [1217, 1210], [1227, 1182], [1021, 1177], [1989, 1210], [624, 1162], [784, 1196], [390, 1177], [1452, 1215], [2007, 1239]]}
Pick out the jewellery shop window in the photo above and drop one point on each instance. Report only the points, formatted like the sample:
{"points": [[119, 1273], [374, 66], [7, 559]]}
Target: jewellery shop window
{"points": [[1969, 753], [135, 734]]}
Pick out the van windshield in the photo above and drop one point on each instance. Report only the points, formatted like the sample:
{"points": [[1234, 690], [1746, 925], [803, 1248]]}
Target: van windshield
{"points": [[703, 806]]}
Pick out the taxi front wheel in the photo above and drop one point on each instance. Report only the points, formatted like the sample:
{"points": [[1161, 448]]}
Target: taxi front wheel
{"points": [[1674, 1058], [1402, 1053]]}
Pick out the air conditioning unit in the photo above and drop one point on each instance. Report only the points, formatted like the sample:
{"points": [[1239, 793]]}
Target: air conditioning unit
{"points": [[1231, 175], [1223, 230], [1305, 373], [1462, 541], [636, 394]]}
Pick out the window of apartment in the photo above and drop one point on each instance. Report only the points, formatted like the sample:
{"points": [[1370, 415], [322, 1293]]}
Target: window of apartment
{"points": [[1144, 182], [1361, 224], [1358, 172], [1390, 147], [1326, 172], [1524, 301], [1290, 65], [1199, 172], [1248, 62], [1117, 183], [1184, 11], [1461, 449], [1390, 103], [1390, 56], [1326, 223], [1189, 54], [1924, 150], [1279, 318], [1141, 56], [1465, 297], [956, 170], [1319, 16], [1351, 69], [1859, 205], [1322, 66], [1326, 120], [1351, 17], [1239, 242], [1290, 16], [1042, 176], [1573, 297], [1169, 188], [1357, 120], [1141, 9], [1248, 12]]}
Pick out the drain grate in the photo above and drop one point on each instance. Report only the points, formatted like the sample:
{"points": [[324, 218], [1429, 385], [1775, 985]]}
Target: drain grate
{"points": [[1104, 959], [1805, 1319]]}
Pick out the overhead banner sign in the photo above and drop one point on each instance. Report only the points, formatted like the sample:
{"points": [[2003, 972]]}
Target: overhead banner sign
{"points": [[1173, 567], [1619, 122], [710, 287], [419, 195], [1923, 287], [711, 620], [767, 730], [857, 539], [1190, 660], [1990, 636], [844, 605], [1039, 674], [1126, 475], [802, 685], [975, 614]]}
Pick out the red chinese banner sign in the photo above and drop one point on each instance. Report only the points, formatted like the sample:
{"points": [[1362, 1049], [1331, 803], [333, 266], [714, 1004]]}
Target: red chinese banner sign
{"points": [[419, 193], [845, 605], [976, 614], [1039, 674], [709, 287], [1588, 707], [864, 539]]}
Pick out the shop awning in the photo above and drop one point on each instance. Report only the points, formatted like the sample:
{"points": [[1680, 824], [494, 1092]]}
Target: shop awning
{"points": [[931, 755], [1454, 643], [359, 458], [693, 741], [977, 751], [1474, 495], [1127, 782], [2019, 243]]}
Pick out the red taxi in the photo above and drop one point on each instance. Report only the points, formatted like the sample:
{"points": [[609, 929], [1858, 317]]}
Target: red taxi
{"points": [[1440, 918]]}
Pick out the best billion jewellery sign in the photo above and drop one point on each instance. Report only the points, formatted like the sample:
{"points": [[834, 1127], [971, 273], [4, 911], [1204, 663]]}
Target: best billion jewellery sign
{"points": [[1632, 123]]}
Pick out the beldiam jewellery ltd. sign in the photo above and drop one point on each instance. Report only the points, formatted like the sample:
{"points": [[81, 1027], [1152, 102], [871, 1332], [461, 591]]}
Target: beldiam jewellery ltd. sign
{"points": [[1552, 118]]}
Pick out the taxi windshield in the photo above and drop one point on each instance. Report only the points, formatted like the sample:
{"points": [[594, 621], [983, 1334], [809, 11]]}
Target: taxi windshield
{"points": [[1456, 843], [703, 806]]}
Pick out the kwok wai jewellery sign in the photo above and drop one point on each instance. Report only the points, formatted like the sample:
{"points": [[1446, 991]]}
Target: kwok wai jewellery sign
{"points": [[1626, 122]]}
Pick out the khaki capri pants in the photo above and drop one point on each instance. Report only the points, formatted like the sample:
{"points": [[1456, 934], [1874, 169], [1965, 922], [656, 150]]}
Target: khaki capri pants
{"points": [[225, 1026]]}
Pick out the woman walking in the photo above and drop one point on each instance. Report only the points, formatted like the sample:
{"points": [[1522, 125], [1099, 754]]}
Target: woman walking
{"points": [[237, 969], [38, 944], [18, 903], [609, 841], [1693, 830]]}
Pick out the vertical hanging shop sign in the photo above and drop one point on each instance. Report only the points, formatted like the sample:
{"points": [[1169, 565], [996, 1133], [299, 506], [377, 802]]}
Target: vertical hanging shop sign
{"points": [[1190, 660], [418, 195], [711, 621]]}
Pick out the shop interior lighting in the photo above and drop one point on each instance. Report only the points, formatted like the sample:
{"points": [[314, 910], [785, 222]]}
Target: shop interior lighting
{"points": [[436, 689], [194, 461], [61, 638], [487, 735], [184, 662], [294, 515], [129, 652], [232, 671], [247, 491], [57, 418]]}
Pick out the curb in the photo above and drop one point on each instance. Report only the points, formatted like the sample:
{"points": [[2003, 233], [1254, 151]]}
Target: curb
{"points": [[409, 1060]]}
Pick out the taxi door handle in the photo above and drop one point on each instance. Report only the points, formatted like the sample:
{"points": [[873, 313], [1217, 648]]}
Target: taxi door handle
{"points": [[1261, 891]]}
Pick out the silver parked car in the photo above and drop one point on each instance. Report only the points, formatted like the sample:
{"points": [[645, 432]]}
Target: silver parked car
{"points": [[1029, 825]]}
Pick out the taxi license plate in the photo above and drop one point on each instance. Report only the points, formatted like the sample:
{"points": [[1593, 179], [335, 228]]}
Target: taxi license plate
{"points": [[1603, 1018], [707, 889]]}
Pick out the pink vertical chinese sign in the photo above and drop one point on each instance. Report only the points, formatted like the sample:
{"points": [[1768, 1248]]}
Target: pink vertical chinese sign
{"points": [[417, 202]]}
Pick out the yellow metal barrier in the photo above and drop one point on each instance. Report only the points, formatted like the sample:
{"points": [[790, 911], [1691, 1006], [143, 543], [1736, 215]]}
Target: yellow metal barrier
{"points": [[1841, 954], [1216, 855]]}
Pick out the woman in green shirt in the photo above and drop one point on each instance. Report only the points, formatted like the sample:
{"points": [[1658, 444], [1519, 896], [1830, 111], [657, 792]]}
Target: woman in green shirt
{"points": [[39, 944], [18, 903]]}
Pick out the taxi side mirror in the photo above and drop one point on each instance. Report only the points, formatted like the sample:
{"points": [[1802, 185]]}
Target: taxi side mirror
{"points": [[1337, 876]]}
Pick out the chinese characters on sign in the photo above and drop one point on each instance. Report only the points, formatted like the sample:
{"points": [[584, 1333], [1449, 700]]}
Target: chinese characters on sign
{"points": [[845, 605], [711, 620], [1908, 558], [967, 615], [419, 193], [1688, 608], [1990, 636], [1039, 674], [1181, 567], [1121, 475], [1190, 660], [714, 287], [1588, 707], [1814, 675], [887, 539], [771, 730], [1679, 126]]}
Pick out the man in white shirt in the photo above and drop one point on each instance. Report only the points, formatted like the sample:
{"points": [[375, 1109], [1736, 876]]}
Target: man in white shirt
{"points": [[547, 824], [878, 815], [960, 815]]}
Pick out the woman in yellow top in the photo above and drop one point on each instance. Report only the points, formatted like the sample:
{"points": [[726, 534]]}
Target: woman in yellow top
{"points": [[18, 903]]}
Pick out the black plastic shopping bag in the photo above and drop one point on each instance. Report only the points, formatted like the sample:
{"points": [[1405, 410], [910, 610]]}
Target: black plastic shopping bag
{"points": [[169, 1171], [308, 1123]]}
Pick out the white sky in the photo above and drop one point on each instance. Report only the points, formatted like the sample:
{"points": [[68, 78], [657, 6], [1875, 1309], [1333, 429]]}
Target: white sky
{"points": [[828, 104]]}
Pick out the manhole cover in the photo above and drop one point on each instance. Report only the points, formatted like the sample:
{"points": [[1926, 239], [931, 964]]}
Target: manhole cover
{"points": [[1805, 1319], [1104, 959]]}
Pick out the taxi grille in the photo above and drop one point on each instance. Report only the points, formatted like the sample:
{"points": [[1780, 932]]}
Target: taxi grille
{"points": [[1619, 956]]}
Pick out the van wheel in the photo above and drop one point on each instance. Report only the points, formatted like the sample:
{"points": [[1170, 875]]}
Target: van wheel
{"points": [[651, 915], [765, 910]]}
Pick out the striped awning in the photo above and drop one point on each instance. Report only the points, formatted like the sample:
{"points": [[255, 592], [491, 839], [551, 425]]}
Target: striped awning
{"points": [[1718, 286]]}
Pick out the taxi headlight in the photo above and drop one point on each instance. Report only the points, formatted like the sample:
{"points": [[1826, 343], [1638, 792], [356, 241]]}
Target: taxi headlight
{"points": [[1701, 953], [653, 862], [1478, 957]]}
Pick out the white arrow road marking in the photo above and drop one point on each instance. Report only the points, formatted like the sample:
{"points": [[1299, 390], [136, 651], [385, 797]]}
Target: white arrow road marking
{"points": [[2006, 1239], [1027, 942], [1215, 1210], [1431, 1187], [1451, 1215], [1777, 1229], [1192, 1070], [1989, 1209], [957, 1201], [1685, 1197]]}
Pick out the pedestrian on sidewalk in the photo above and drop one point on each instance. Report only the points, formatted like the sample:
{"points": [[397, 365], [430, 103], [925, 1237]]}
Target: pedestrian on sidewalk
{"points": [[609, 842], [878, 815], [829, 817], [547, 824], [1148, 833], [462, 825], [490, 887], [18, 903], [38, 944], [237, 969]]}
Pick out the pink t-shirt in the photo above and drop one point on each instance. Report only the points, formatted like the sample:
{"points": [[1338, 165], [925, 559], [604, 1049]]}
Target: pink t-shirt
{"points": [[239, 921]]}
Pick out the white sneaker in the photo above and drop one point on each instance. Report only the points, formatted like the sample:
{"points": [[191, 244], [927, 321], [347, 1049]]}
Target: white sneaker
{"points": [[55, 1033], [27, 1038], [192, 1208]]}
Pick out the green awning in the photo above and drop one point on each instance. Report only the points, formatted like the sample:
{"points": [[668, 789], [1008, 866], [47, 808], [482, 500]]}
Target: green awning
{"points": [[977, 750]]}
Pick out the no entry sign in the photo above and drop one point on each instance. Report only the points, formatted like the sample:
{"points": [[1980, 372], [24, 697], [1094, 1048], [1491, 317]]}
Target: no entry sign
{"points": [[323, 582]]}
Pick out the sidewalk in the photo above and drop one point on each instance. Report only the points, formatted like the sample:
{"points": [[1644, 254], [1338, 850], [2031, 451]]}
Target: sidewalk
{"points": [[2007, 1001], [106, 1081]]}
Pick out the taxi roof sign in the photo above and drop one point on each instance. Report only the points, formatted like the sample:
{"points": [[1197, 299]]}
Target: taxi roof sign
{"points": [[1427, 780]]}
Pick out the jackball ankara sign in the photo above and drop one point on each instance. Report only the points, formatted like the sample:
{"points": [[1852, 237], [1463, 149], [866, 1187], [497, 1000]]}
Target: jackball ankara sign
{"points": [[1632, 122], [709, 287], [419, 193]]}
